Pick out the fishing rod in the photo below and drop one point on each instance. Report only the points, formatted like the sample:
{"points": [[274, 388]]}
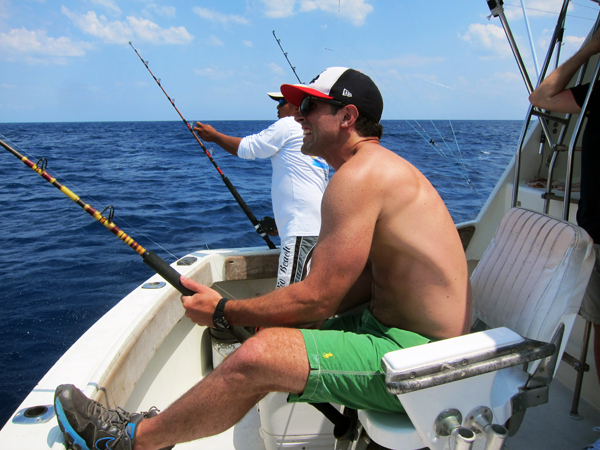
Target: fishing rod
{"points": [[159, 265], [257, 225], [155, 262], [286, 57]]}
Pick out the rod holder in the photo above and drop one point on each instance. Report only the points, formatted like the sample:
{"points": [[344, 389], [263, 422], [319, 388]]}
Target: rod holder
{"points": [[462, 439], [480, 421], [448, 424]]}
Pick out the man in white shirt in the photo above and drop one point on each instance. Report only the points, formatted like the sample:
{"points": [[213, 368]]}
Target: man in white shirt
{"points": [[297, 186]]}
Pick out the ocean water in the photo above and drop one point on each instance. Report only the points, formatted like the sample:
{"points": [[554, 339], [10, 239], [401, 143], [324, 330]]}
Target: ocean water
{"points": [[60, 270]]}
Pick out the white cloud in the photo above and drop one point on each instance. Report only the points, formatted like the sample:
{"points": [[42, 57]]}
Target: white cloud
{"points": [[108, 4], [308, 5], [410, 60], [353, 11], [534, 8], [573, 41], [118, 32], [215, 16], [214, 73], [164, 11], [490, 38], [276, 9], [4, 9], [35, 46], [248, 43], [151, 32], [569, 47], [275, 68], [214, 41]]}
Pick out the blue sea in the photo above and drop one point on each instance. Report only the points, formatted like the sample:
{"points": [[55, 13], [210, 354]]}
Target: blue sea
{"points": [[60, 270]]}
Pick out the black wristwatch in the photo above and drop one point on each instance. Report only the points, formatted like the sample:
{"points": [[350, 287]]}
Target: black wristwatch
{"points": [[219, 321]]}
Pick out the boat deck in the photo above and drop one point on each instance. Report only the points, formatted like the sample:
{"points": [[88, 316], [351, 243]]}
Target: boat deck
{"points": [[545, 427], [550, 426]]}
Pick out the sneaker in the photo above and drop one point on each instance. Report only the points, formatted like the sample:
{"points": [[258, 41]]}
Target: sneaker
{"points": [[88, 425], [594, 446]]}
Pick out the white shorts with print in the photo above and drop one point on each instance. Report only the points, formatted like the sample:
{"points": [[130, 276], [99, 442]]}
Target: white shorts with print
{"points": [[294, 260]]}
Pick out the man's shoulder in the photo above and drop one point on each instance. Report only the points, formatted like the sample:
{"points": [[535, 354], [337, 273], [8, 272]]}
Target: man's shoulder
{"points": [[374, 155], [288, 122], [379, 168]]}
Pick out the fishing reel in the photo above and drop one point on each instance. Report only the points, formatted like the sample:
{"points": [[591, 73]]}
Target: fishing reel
{"points": [[268, 225]]}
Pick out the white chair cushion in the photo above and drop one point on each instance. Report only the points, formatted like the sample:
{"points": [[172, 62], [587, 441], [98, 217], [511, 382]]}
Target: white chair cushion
{"points": [[406, 360], [527, 281]]}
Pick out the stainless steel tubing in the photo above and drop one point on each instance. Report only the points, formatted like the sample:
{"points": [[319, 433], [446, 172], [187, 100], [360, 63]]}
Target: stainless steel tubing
{"points": [[480, 421], [462, 439], [495, 436]]}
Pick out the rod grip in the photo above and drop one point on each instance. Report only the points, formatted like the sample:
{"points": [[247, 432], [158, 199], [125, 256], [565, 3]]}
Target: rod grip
{"points": [[161, 267], [171, 276], [342, 424]]}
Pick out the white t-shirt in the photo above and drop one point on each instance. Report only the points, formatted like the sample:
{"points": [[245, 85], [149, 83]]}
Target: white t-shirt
{"points": [[298, 180]]}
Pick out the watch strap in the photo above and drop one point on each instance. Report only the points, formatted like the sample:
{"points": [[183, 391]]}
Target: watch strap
{"points": [[219, 320]]}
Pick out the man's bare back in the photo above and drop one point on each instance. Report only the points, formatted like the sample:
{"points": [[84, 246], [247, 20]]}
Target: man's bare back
{"points": [[418, 279], [426, 289]]}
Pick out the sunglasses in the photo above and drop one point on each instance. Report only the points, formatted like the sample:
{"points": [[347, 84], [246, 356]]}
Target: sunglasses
{"points": [[308, 104], [281, 102]]}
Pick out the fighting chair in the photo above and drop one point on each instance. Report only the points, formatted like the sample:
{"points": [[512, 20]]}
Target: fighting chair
{"points": [[472, 391]]}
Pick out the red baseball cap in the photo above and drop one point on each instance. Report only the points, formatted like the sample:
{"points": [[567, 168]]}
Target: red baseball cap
{"points": [[348, 86]]}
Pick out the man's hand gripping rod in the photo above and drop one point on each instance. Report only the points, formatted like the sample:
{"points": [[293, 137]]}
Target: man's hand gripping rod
{"points": [[155, 262]]}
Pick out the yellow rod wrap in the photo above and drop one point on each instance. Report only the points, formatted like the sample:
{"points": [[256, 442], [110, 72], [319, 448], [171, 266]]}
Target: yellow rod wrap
{"points": [[69, 193], [86, 207]]}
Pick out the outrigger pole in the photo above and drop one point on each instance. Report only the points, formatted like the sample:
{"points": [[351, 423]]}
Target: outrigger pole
{"points": [[154, 261], [232, 189]]}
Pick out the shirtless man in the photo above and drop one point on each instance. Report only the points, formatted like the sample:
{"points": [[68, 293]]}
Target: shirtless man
{"points": [[386, 239]]}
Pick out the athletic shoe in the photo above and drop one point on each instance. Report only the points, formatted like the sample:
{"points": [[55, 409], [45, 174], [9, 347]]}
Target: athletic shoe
{"points": [[594, 446], [88, 425]]}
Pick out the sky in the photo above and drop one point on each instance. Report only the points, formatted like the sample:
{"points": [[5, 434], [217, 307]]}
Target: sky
{"points": [[70, 61]]}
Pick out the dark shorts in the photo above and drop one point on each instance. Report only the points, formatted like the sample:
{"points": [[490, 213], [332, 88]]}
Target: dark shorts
{"points": [[345, 361], [590, 308]]}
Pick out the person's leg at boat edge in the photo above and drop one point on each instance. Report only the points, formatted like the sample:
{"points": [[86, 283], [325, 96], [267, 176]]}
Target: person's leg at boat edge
{"points": [[273, 360]]}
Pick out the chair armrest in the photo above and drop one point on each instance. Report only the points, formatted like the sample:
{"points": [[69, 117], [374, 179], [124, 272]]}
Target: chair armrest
{"points": [[459, 358]]}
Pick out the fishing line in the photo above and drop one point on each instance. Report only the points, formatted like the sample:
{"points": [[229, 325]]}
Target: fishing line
{"points": [[508, 105], [232, 189], [463, 173], [461, 161], [554, 12], [423, 133], [62, 177], [155, 262]]}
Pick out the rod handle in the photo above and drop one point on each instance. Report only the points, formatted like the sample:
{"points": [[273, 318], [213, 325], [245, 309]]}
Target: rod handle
{"points": [[171, 276], [342, 424]]}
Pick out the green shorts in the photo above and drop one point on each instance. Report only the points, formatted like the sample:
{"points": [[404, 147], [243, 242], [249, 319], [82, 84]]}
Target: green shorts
{"points": [[345, 361]]}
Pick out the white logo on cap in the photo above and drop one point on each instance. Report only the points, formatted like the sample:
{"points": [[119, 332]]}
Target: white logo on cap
{"points": [[346, 93]]}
